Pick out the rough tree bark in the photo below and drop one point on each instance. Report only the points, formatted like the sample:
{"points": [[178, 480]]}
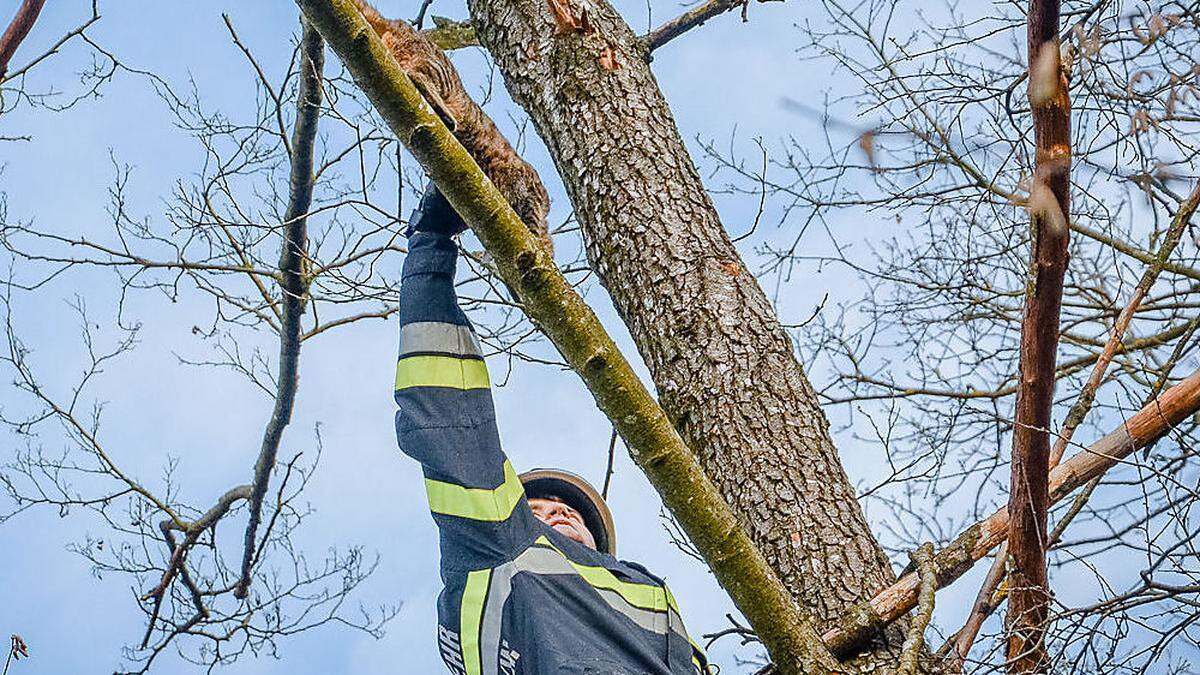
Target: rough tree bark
{"points": [[1049, 210], [725, 369]]}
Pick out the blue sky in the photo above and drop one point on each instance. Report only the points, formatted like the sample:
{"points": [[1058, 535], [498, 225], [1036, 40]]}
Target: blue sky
{"points": [[724, 76]]}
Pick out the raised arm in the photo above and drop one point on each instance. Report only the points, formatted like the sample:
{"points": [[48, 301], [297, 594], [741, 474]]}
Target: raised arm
{"points": [[446, 419]]}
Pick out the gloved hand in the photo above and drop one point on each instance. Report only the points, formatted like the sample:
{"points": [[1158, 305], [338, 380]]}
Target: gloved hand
{"points": [[434, 214]]}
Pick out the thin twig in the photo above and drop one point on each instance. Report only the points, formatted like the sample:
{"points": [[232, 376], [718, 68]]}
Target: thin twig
{"points": [[914, 642], [608, 473]]}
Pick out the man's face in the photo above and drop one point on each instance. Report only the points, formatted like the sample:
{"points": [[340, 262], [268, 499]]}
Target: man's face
{"points": [[553, 512]]}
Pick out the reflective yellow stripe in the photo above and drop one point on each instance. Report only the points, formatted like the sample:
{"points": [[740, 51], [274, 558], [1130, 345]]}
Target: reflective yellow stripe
{"points": [[476, 503], [696, 663], [470, 617], [441, 371], [642, 596], [638, 595]]}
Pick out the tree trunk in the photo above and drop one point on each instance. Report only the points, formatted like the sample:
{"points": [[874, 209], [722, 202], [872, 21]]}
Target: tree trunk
{"points": [[725, 370]]}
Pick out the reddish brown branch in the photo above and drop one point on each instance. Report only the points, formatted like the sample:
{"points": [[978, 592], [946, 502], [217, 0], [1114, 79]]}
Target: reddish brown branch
{"points": [[1050, 211], [691, 19], [1143, 428], [20, 26]]}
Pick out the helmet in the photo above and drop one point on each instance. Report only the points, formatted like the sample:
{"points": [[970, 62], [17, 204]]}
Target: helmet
{"points": [[579, 494]]}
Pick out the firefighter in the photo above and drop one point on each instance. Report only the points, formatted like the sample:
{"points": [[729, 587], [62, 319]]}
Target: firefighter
{"points": [[531, 584]]}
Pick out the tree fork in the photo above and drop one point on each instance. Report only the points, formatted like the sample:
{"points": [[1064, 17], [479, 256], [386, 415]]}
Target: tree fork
{"points": [[580, 337]]}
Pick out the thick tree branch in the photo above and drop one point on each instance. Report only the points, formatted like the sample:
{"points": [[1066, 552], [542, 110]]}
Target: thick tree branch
{"points": [[1146, 426], [1050, 211], [20, 26], [294, 281], [691, 19], [580, 337]]}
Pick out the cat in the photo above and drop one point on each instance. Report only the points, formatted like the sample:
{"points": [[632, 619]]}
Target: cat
{"points": [[437, 80]]}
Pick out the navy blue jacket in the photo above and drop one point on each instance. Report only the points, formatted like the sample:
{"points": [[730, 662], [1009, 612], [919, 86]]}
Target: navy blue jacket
{"points": [[519, 597]]}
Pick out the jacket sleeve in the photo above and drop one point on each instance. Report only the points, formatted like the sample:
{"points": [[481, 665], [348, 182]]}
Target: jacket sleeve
{"points": [[446, 418]]}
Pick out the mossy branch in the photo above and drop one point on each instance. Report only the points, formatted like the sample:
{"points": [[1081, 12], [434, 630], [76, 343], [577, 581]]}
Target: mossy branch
{"points": [[582, 340], [449, 34]]}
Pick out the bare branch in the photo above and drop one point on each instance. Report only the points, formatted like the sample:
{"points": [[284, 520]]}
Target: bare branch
{"points": [[691, 19], [294, 282]]}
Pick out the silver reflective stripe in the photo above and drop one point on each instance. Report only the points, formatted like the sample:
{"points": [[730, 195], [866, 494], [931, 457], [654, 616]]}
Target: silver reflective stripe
{"points": [[655, 622], [493, 612], [677, 626], [544, 561], [538, 560], [435, 336]]}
